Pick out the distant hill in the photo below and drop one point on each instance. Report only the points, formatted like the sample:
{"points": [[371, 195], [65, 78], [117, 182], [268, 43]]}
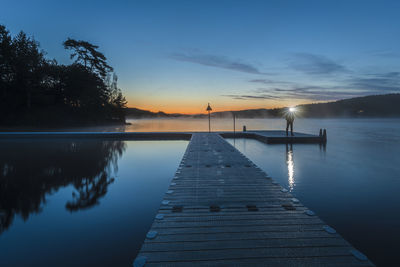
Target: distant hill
{"points": [[140, 113], [368, 106]]}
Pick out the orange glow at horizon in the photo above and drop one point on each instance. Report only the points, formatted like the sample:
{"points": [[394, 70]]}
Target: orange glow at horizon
{"points": [[191, 107]]}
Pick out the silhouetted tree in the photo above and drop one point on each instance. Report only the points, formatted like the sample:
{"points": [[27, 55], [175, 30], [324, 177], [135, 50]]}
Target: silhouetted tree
{"points": [[87, 54], [21, 67], [117, 100], [7, 74], [28, 61], [37, 91]]}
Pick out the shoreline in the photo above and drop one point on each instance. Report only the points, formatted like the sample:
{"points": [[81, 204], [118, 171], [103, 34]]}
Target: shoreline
{"points": [[21, 128]]}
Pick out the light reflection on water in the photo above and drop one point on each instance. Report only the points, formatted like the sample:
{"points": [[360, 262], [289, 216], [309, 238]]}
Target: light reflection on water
{"points": [[290, 166], [352, 184]]}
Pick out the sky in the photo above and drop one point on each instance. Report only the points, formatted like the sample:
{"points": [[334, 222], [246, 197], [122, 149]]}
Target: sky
{"points": [[177, 56]]}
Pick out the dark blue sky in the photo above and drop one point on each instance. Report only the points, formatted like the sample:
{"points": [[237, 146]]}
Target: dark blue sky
{"points": [[179, 55]]}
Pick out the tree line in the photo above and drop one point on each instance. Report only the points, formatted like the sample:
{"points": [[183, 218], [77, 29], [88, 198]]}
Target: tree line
{"points": [[36, 91]]}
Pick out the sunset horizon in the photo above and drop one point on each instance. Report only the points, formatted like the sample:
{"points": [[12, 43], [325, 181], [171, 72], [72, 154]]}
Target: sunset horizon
{"points": [[220, 107]]}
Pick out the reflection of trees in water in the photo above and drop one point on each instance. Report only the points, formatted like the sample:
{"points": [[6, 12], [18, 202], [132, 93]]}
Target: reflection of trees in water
{"points": [[31, 169], [90, 190]]}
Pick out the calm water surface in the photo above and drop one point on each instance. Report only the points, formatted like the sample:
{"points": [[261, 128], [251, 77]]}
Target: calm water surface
{"points": [[353, 184], [80, 202]]}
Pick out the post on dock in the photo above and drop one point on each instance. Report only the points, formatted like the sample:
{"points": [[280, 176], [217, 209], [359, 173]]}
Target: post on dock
{"points": [[234, 124], [324, 137], [244, 128], [209, 118]]}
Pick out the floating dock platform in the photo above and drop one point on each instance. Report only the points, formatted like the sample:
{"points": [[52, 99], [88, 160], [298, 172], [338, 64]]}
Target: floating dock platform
{"points": [[270, 137], [277, 137], [222, 210]]}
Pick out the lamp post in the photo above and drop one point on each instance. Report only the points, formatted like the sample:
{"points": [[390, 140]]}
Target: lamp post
{"points": [[209, 118], [234, 123]]}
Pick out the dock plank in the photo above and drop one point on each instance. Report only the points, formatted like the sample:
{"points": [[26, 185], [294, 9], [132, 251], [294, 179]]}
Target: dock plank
{"points": [[347, 261], [246, 244]]}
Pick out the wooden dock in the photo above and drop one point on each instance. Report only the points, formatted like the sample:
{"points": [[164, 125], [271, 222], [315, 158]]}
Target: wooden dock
{"points": [[222, 210], [277, 137], [269, 137]]}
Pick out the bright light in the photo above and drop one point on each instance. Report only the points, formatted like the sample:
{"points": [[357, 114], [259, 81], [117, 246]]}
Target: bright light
{"points": [[290, 165], [292, 109]]}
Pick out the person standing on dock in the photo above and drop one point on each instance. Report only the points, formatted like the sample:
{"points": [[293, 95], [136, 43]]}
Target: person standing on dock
{"points": [[289, 116]]}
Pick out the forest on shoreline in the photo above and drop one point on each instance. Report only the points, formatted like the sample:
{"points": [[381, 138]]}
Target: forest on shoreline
{"points": [[40, 92]]}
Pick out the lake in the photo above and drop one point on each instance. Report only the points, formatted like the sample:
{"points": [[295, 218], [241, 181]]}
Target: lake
{"points": [[80, 202], [352, 184], [95, 200]]}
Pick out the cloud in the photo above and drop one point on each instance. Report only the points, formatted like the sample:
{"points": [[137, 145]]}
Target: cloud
{"points": [[384, 53], [392, 74], [216, 61], [315, 64], [317, 93], [367, 84], [268, 82], [379, 82], [252, 97]]}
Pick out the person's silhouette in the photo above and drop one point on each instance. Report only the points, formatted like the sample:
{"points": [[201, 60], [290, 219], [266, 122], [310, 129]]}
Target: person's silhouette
{"points": [[289, 116]]}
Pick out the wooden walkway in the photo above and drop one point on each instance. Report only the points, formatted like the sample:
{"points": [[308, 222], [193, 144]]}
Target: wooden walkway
{"points": [[222, 210], [276, 137], [269, 136]]}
